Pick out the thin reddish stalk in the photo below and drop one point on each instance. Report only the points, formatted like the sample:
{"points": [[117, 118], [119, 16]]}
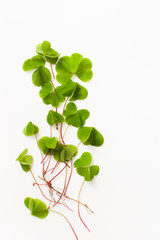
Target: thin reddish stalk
{"points": [[57, 174], [67, 221], [72, 199], [57, 163], [44, 158], [62, 191], [79, 209], [48, 164], [69, 178], [50, 200]]}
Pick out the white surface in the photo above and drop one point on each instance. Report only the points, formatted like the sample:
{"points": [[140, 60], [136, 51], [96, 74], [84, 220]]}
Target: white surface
{"points": [[122, 40]]}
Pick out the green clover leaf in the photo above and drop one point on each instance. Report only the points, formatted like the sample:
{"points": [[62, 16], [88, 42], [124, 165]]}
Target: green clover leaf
{"points": [[74, 117], [73, 90], [54, 118], [33, 63], [90, 136], [40, 76], [64, 153], [76, 64], [30, 129], [45, 50], [46, 89], [88, 172], [84, 160], [83, 167], [37, 207], [47, 144], [25, 160], [52, 99]]}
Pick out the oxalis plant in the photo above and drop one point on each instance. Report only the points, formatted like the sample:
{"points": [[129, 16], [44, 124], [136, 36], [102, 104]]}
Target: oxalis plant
{"points": [[57, 156]]}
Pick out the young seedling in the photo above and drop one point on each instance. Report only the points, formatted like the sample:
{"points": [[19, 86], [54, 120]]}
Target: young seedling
{"points": [[56, 155]]}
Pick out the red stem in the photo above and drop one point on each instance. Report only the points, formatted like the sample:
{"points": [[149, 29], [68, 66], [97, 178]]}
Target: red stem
{"points": [[69, 179], [57, 174], [57, 163], [50, 200], [44, 158], [79, 209]]}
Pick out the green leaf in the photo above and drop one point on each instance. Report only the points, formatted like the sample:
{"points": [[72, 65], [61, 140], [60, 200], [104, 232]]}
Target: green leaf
{"points": [[84, 160], [51, 143], [33, 63], [88, 172], [66, 154], [70, 109], [74, 117], [42, 144], [54, 118], [37, 207], [79, 93], [76, 64], [84, 71], [47, 144], [30, 129], [40, 76], [90, 136], [72, 89], [21, 156], [45, 49], [59, 95], [25, 160], [74, 149], [46, 89], [52, 99]]}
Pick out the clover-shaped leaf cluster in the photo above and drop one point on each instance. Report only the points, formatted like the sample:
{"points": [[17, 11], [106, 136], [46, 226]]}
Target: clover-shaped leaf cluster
{"points": [[90, 136], [84, 168], [37, 207], [74, 117], [54, 118], [76, 64], [44, 49], [25, 160], [30, 129]]}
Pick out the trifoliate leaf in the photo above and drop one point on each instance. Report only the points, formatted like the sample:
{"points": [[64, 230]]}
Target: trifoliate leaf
{"points": [[37, 207], [45, 49], [76, 64], [30, 129], [84, 160], [52, 99], [47, 144], [65, 152], [74, 117], [46, 89], [54, 118], [90, 136], [40, 76], [25, 160], [72, 89], [88, 172], [51, 143], [33, 63]]}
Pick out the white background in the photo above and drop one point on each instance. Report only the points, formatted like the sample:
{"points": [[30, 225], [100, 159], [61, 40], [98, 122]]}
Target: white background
{"points": [[122, 38]]}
